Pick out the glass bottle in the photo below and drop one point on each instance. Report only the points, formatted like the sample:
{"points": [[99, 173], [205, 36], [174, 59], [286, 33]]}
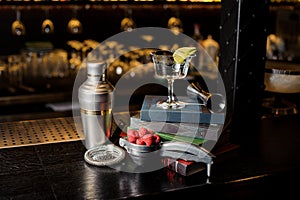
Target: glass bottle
{"points": [[197, 34], [212, 47]]}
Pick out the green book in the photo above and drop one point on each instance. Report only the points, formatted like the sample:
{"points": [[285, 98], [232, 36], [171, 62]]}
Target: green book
{"points": [[201, 131]]}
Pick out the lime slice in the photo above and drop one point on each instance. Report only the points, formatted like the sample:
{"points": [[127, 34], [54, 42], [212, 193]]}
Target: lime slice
{"points": [[182, 53]]}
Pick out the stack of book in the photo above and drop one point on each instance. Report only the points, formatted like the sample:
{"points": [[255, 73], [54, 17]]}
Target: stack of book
{"points": [[193, 123]]}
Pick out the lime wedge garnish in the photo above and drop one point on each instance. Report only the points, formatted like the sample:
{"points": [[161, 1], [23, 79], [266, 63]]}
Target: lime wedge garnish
{"points": [[182, 53]]}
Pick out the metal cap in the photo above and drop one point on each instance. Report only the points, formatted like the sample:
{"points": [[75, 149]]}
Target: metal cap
{"points": [[95, 68]]}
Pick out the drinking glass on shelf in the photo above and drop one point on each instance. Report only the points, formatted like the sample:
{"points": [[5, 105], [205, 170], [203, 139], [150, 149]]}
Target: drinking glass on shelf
{"points": [[17, 27], [15, 69], [3, 74], [74, 25], [166, 68], [47, 25]]}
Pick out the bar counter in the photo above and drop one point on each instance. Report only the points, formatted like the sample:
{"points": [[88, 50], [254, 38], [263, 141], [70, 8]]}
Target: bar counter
{"points": [[268, 168]]}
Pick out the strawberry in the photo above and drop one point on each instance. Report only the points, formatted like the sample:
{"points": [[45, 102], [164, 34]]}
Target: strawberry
{"points": [[139, 141], [156, 138], [142, 131], [132, 138], [148, 139], [132, 132]]}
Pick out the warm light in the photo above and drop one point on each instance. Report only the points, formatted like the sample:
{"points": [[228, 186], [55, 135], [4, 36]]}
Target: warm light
{"points": [[207, 1], [115, 0], [285, 1], [248, 178]]}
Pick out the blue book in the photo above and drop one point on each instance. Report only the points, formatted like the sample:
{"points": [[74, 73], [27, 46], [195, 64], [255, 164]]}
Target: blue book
{"points": [[201, 131], [193, 112]]}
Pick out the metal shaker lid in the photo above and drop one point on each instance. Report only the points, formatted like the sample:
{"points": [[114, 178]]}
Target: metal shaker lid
{"points": [[95, 68], [96, 92]]}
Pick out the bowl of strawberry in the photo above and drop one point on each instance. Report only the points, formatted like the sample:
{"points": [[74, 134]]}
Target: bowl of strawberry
{"points": [[141, 144]]}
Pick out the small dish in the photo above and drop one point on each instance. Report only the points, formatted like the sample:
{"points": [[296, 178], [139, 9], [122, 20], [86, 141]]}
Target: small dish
{"points": [[104, 155], [141, 154]]}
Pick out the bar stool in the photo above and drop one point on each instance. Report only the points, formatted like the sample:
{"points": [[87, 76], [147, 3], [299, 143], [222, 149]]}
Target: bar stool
{"points": [[282, 79]]}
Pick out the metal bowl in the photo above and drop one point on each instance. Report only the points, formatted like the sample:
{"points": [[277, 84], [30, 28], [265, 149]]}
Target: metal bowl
{"points": [[136, 149], [141, 154]]}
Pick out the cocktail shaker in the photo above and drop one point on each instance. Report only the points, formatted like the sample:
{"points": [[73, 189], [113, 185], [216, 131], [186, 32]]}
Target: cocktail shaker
{"points": [[95, 100]]}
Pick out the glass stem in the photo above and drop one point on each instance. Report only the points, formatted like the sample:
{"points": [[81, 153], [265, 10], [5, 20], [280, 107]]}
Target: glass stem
{"points": [[171, 97]]}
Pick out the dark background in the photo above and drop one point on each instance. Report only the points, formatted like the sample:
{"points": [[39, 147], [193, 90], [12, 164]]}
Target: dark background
{"points": [[99, 22]]}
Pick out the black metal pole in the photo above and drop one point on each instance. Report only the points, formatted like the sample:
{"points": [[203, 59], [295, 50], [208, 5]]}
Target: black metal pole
{"points": [[243, 33]]}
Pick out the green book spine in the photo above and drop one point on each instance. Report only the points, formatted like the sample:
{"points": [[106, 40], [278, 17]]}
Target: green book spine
{"points": [[201, 131]]}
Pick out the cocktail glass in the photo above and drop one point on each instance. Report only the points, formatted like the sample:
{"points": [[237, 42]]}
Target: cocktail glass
{"points": [[166, 68]]}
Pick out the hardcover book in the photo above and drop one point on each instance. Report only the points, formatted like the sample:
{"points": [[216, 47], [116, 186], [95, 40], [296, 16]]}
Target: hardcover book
{"points": [[185, 168], [193, 112], [203, 131]]}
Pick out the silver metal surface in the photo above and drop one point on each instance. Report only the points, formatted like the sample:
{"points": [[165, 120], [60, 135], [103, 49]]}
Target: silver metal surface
{"points": [[215, 102], [95, 94], [143, 155], [42, 131], [136, 149], [95, 99]]}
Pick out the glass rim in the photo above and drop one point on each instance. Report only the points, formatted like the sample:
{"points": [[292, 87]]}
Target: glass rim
{"points": [[170, 55], [164, 53]]}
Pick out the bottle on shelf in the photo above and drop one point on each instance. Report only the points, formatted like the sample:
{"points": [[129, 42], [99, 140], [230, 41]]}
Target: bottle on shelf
{"points": [[212, 47], [175, 25], [197, 33]]}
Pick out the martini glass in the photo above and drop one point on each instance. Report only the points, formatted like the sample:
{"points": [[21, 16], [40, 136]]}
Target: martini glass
{"points": [[166, 68]]}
